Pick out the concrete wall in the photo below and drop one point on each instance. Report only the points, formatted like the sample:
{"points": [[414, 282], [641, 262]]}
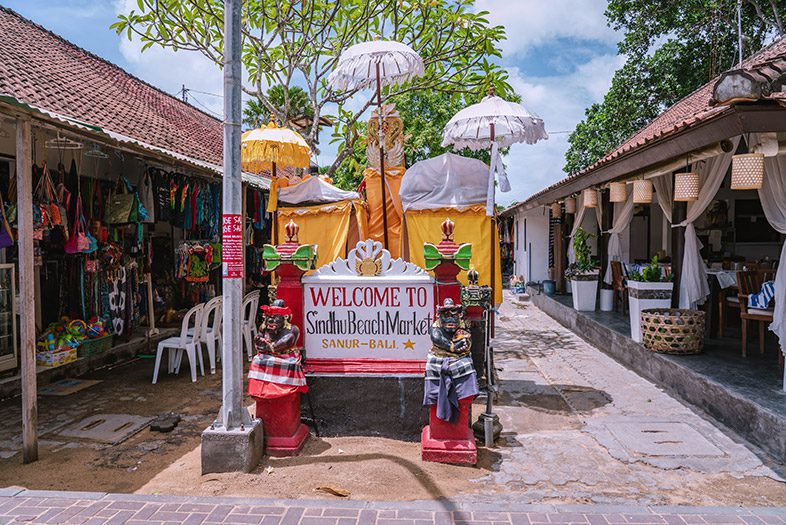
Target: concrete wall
{"points": [[532, 244]]}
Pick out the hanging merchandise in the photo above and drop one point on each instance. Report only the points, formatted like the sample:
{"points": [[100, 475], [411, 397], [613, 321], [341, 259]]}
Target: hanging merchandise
{"points": [[117, 300], [6, 235], [147, 197], [85, 241], [125, 206], [194, 259]]}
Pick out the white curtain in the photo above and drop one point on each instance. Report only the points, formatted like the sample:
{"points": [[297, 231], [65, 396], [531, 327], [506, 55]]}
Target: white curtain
{"points": [[578, 218], [622, 216], [773, 200], [693, 281], [664, 191]]}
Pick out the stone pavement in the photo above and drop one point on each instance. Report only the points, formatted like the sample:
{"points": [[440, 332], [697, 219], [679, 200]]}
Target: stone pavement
{"points": [[580, 427], [89, 508]]}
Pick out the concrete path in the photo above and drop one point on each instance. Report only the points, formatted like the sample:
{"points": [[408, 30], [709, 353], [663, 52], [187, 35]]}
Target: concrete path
{"points": [[88, 508], [581, 427]]}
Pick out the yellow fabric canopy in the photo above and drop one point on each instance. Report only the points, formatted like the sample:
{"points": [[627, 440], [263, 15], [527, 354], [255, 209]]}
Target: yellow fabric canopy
{"points": [[472, 226], [393, 178], [264, 146], [326, 225]]}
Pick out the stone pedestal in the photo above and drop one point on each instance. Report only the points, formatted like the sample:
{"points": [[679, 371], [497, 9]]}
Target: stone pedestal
{"points": [[235, 450], [285, 435], [445, 442]]}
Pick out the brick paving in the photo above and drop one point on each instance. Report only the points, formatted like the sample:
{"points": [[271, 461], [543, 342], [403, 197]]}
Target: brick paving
{"points": [[91, 508]]}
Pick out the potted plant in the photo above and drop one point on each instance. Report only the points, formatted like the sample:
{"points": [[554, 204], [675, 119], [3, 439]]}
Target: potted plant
{"points": [[648, 288], [582, 274]]}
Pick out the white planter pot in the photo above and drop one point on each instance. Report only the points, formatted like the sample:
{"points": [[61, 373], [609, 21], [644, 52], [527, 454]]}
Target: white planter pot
{"points": [[584, 292], [643, 296], [606, 300]]}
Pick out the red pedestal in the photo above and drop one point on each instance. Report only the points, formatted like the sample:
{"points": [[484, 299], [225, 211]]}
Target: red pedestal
{"points": [[447, 283], [445, 442], [285, 435]]}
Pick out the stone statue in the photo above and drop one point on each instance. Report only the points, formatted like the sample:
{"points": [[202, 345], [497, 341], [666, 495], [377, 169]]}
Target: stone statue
{"points": [[276, 335], [448, 334], [276, 370], [450, 375]]}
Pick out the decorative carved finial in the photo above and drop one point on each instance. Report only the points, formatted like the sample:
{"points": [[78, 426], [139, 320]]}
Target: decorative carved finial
{"points": [[472, 276], [291, 230], [447, 230]]}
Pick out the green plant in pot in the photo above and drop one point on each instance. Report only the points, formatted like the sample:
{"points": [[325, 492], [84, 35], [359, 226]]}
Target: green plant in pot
{"points": [[652, 273], [583, 273], [649, 287]]}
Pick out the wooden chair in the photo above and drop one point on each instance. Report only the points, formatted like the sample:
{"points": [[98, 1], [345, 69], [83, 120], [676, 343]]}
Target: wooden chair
{"points": [[750, 282], [724, 303], [619, 286]]}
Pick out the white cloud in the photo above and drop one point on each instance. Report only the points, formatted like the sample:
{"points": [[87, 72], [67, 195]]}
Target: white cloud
{"points": [[170, 70], [530, 23], [560, 101]]}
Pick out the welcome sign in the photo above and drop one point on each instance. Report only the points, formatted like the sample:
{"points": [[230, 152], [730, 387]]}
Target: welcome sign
{"points": [[368, 313]]}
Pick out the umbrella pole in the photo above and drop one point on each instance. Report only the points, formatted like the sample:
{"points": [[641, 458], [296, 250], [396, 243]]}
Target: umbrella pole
{"points": [[274, 236], [489, 417], [382, 161]]}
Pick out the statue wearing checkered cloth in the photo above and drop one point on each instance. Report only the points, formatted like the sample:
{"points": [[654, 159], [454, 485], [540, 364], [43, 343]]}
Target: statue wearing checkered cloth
{"points": [[276, 370]]}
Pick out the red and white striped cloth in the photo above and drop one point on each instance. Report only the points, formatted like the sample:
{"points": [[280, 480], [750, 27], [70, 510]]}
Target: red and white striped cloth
{"points": [[274, 376]]}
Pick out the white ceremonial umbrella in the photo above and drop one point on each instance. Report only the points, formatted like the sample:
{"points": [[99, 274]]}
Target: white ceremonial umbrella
{"points": [[494, 122], [376, 64]]}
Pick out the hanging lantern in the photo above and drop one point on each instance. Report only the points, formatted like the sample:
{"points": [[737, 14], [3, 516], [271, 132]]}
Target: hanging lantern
{"points": [[686, 187], [618, 192], [642, 191], [570, 205], [590, 198], [747, 171], [556, 209]]}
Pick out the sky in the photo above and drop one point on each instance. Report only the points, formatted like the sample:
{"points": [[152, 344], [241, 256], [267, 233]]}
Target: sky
{"points": [[560, 55]]}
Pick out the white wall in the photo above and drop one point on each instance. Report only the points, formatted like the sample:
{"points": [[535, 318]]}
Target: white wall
{"points": [[532, 244]]}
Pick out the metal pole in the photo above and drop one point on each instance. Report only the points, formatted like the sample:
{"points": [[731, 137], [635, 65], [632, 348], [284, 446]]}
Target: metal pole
{"points": [[382, 161], [26, 265], [232, 413]]}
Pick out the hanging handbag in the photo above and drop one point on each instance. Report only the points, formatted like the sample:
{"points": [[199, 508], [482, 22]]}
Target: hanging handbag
{"points": [[78, 242], [123, 207]]}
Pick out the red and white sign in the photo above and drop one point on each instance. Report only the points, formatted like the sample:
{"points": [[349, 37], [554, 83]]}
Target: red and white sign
{"points": [[232, 246]]}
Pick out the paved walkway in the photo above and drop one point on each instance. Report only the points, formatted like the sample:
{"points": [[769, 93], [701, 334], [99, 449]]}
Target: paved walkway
{"points": [[87, 508]]}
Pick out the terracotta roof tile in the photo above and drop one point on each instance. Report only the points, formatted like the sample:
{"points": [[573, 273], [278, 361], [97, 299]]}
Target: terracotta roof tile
{"points": [[44, 70], [691, 110]]}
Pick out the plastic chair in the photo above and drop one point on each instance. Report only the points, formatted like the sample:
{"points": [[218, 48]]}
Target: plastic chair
{"points": [[183, 343], [210, 332], [250, 307]]}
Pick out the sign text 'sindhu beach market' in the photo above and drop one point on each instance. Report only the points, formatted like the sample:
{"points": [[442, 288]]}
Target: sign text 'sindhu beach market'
{"points": [[368, 308]]}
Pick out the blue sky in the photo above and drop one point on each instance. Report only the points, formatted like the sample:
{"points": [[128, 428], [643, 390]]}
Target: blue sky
{"points": [[560, 55]]}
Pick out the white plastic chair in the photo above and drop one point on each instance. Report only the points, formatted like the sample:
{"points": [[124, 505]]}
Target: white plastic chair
{"points": [[210, 332], [250, 306], [183, 343]]}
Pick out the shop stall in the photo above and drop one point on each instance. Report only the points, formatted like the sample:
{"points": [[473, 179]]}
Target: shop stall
{"points": [[450, 187]]}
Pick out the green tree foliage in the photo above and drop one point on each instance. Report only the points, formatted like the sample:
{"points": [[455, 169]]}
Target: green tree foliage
{"points": [[292, 43], [672, 49], [294, 105]]}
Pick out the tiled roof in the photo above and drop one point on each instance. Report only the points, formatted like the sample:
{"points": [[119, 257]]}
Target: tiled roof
{"points": [[48, 72], [690, 111]]}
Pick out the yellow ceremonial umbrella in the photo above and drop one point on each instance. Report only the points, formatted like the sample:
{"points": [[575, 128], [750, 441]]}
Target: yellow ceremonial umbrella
{"points": [[269, 146]]}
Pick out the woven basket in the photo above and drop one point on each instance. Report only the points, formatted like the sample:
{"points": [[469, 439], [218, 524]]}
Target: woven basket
{"points": [[672, 330], [95, 346]]}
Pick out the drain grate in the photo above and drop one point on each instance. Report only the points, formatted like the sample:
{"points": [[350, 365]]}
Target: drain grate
{"points": [[106, 428]]}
